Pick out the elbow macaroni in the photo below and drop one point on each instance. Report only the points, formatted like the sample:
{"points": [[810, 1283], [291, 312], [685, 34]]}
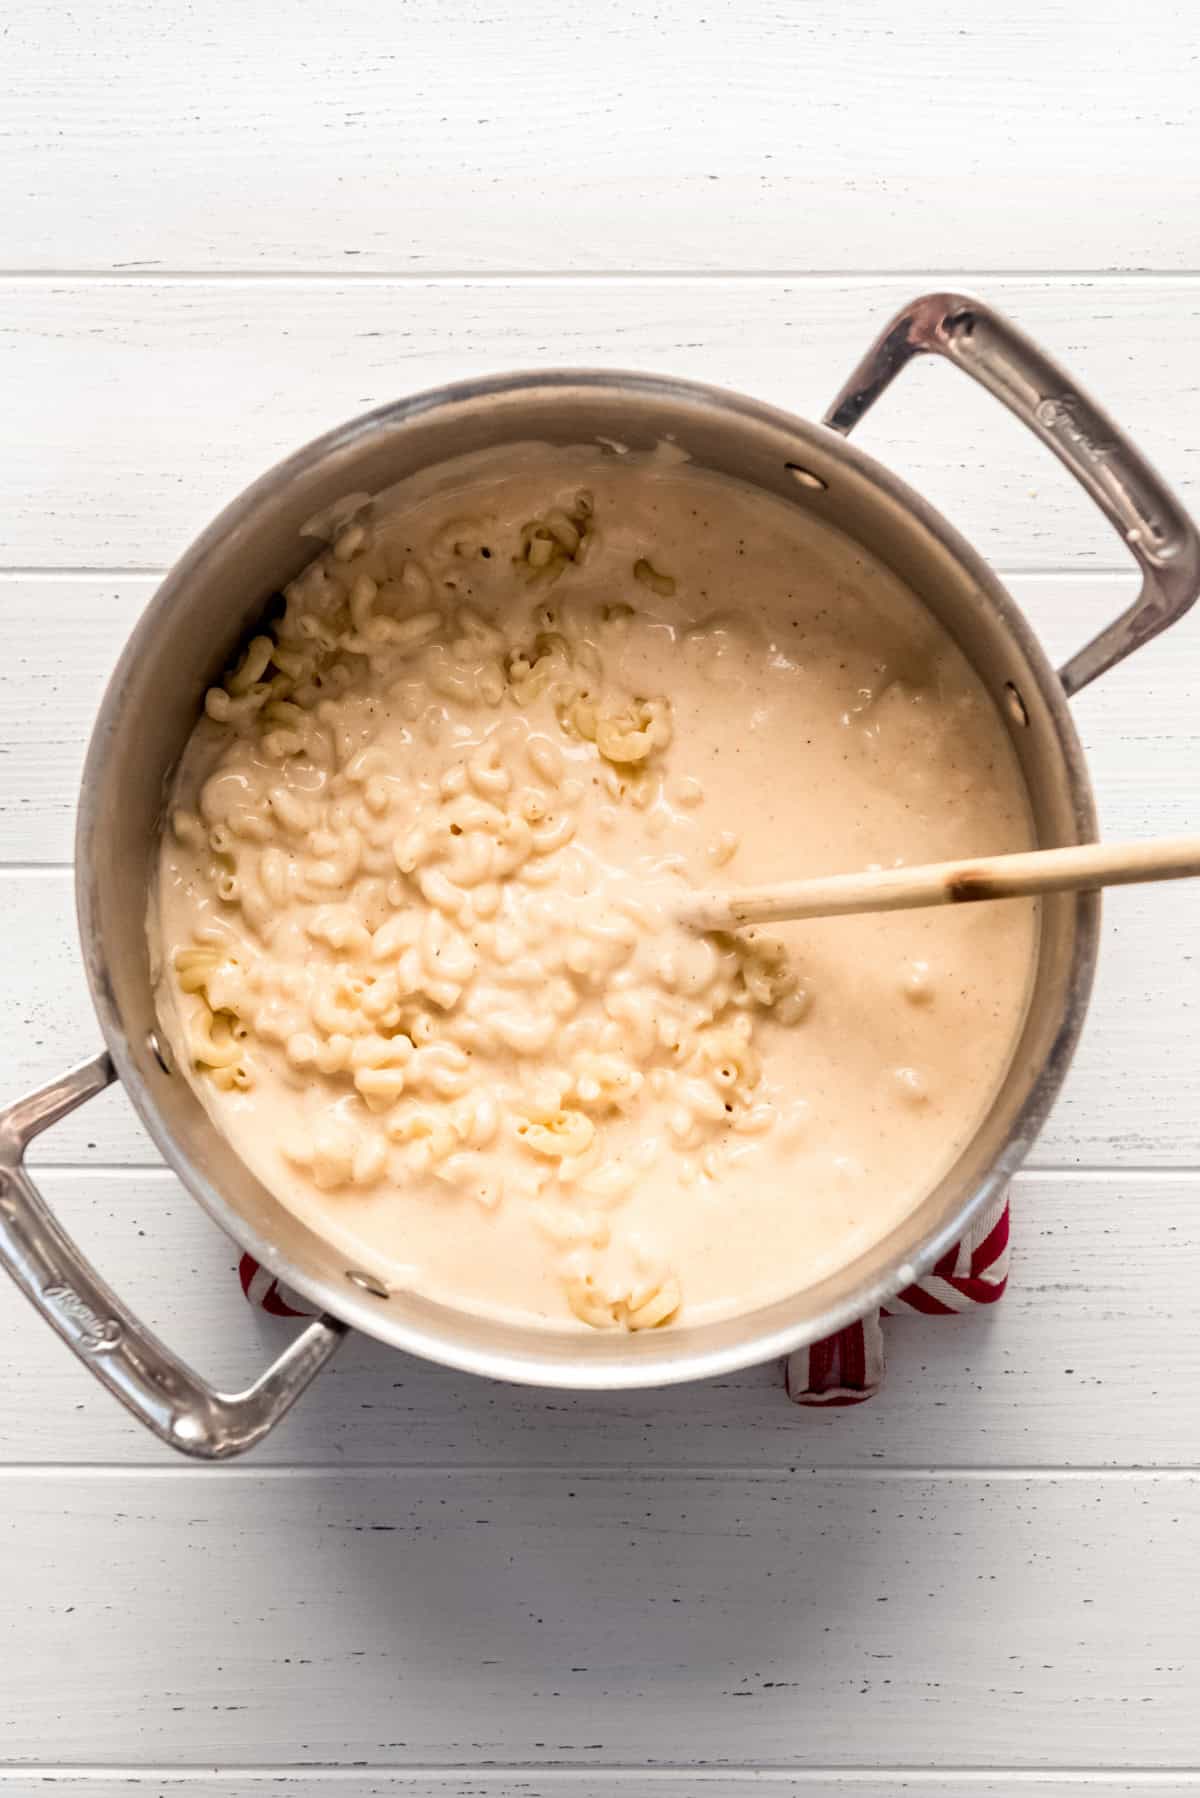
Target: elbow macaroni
{"points": [[406, 930]]}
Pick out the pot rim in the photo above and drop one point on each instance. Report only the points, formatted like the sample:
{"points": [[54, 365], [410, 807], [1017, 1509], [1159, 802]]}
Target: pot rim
{"points": [[558, 1367]]}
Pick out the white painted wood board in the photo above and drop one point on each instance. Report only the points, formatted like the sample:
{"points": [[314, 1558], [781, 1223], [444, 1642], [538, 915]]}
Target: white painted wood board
{"points": [[141, 407], [613, 1782], [1091, 1359], [643, 1618], [746, 135]]}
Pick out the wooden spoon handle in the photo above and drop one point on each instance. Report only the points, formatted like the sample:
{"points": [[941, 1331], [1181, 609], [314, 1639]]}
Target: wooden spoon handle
{"points": [[1083, 866]]}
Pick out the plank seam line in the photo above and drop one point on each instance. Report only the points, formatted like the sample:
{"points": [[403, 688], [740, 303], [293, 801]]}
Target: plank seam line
{"points": [[697, 1473], [146, 273], [129, 571], [496, 1772]]}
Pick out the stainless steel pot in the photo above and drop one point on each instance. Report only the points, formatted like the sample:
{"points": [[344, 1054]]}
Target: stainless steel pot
{"points": [[214, 594]]}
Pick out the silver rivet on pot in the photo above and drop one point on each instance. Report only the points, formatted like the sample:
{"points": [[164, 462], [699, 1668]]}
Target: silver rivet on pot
{"points": [[1016, 706], [805, 477], [161, 1054], [367, 1283]]}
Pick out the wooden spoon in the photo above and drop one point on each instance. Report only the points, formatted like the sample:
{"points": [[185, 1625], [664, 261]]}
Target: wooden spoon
{"points": [[1082, 867]]}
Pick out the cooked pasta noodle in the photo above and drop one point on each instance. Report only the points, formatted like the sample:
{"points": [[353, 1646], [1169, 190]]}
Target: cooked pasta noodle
{"points": [[418, 899]]}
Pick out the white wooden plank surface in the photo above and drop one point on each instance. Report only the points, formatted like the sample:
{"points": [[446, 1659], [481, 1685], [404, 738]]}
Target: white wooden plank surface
{"points": [[61, 639], [141, 407], [481, 137], [1092, 1359], [440, 1617], [622, 1782]]}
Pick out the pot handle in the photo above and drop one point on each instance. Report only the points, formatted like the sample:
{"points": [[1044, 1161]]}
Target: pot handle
{"points": [[1151, 522], [159, 1388]]}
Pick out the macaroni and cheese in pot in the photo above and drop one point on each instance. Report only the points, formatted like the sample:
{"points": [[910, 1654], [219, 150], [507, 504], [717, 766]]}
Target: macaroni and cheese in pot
{"points": [[415, 914]]}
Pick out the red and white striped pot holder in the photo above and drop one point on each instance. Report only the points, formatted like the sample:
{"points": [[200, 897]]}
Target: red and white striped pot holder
{"points": [[847, 1368], [844, 1369]]}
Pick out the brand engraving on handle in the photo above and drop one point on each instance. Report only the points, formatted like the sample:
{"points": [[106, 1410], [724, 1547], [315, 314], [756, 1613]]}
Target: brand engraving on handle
{"points": [[96, 1334], [1061, 413]]}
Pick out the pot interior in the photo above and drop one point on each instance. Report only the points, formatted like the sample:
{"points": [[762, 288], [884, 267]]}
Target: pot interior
{"points": [[213, 597]]}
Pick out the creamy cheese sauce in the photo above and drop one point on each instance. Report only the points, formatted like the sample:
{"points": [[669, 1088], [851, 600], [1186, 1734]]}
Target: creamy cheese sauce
{"points": [[416, 902]]}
